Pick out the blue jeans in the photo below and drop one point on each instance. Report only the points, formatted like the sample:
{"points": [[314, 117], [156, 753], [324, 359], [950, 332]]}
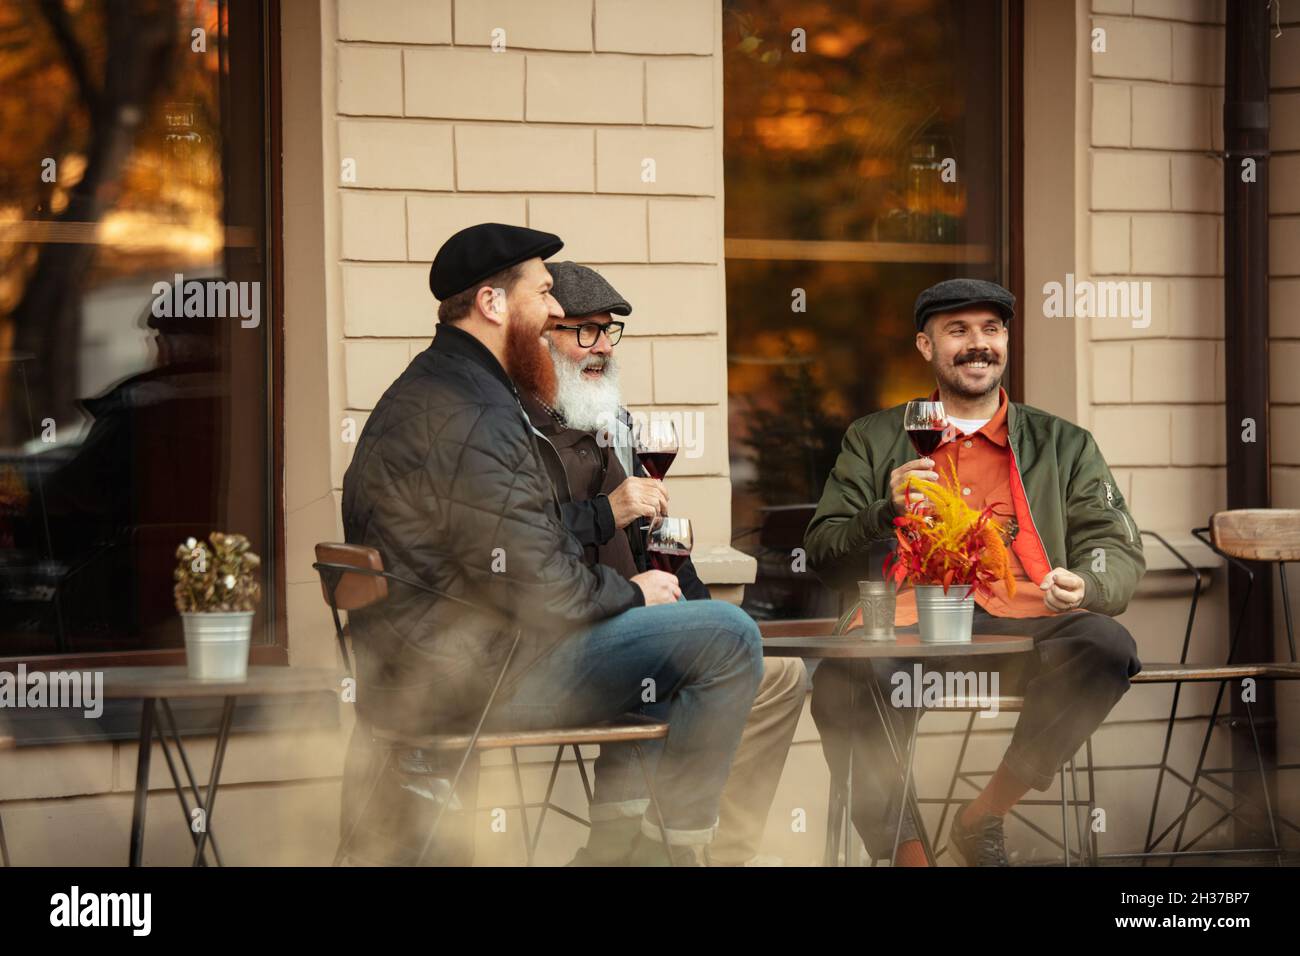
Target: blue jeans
{"points": [[696, 664]]}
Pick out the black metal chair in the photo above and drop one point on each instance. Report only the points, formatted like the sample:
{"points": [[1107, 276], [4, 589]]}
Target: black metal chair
{"points": [[1260, 535], [353, 578]]}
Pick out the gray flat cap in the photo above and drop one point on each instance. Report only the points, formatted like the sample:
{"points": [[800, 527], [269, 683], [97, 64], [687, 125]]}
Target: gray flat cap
{"points": [[952, 295], [582, 291]]}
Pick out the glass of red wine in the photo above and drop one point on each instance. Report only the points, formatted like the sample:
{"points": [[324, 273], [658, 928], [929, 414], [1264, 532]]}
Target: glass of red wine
{"points": [[669, 543], [656, 445], [925, 423]]}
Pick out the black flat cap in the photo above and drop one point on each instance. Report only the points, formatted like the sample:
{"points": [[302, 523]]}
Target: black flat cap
{"points": [[951, 295], [582, 291], [475, 253]]}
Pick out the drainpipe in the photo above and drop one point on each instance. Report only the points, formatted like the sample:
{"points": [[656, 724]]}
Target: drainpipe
{"points": [[1245, 289]]}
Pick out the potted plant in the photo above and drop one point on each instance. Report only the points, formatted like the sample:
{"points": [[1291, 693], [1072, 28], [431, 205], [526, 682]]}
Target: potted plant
{"points": [[216, 594], [948, 552]]}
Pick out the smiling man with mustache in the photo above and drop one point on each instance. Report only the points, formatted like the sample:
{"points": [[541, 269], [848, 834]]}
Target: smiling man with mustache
{"points": [[1075, 553]]}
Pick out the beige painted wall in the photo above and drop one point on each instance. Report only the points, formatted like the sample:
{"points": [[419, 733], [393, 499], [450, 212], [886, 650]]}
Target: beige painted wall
{"points": [[1154, 200], [551, 131]]}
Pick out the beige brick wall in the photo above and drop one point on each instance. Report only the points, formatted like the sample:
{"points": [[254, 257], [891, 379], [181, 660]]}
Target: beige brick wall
{"points": [[554, 131], [1154, 214]]}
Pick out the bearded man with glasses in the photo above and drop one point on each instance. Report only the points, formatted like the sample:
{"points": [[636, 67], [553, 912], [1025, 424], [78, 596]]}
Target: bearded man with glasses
{"points": [[576, 406]]}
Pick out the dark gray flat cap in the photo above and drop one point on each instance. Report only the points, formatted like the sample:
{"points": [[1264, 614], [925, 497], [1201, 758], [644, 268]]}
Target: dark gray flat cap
{"points": [[583, 291], [952, 295]]}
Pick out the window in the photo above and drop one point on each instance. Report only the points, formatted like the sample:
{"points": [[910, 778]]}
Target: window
{"points": [[867, 150], [136, 316]]}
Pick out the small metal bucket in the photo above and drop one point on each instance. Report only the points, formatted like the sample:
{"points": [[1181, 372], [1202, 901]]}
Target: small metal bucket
{"points": [[945, 618], [216, 644], [878, 599]]}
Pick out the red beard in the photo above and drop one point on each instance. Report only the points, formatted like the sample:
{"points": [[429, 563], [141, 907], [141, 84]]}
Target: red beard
{"points": [[528, 362]]}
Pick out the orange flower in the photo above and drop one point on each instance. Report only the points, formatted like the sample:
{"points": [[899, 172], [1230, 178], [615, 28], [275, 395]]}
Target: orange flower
{"points": [[946, 541]]}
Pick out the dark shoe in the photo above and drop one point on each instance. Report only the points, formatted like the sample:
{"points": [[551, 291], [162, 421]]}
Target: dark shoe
{"points": [[981, 844], [649, 852], [585, 857], [610, 843]]}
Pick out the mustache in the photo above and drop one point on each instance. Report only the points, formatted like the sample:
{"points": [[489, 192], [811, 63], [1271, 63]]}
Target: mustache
{"points": [[983, 355]]}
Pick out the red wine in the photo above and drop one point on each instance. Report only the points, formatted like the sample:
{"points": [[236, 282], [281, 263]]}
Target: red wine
{"points": [[667, 559], [656, 463], [925, 440]]}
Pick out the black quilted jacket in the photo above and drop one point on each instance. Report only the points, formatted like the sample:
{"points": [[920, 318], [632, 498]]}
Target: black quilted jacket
{"points": [[448, 483]]}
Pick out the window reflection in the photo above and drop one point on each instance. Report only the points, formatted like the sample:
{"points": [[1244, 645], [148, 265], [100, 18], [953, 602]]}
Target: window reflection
{"points": [[130, 153], [858, 172]]}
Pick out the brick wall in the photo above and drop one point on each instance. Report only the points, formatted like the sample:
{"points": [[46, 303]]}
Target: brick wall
{"points": [[550, 132], [1155, 201]]}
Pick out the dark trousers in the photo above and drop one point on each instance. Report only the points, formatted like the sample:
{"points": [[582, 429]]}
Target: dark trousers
{"points": [[1078, 671]]}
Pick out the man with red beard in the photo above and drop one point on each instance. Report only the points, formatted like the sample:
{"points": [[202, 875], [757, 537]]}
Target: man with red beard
{"points": [[577, 407], [448, 483]]}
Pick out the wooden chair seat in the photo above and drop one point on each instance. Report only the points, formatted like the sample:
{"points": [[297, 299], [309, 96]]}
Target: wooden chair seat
{"points": [[611, 732], [1174, 673], [1258, 534]]}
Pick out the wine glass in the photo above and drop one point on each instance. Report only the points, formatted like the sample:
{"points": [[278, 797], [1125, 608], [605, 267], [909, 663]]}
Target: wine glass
{"points": [[925, 423], [656, 445], [669, 543]]}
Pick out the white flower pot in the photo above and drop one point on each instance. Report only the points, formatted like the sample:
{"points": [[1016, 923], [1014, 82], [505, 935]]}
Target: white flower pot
{"points": [[945, 618], [217, 643]]}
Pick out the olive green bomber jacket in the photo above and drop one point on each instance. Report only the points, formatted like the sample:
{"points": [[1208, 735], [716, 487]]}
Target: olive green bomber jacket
{"points": [[1069, 510]]}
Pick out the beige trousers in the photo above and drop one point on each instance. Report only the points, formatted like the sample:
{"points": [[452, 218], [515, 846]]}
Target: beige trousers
{"points": [[760, 758]]}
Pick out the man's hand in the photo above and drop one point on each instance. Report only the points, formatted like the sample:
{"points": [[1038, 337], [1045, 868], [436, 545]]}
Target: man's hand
{"points": [[1062, 590], [637, 498], [659, 587], [917, 468]]}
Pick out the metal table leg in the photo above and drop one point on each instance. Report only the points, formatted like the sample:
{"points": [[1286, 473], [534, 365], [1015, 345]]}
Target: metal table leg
{"points": [[848, 782], [4, 848], [218, 758], [904, 801], [141, 781], [166, 725], [904, 770]]}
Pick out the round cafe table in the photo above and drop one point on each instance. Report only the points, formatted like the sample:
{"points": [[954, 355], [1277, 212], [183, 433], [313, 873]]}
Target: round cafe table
{"points": [[905, 647], [156, 687]]}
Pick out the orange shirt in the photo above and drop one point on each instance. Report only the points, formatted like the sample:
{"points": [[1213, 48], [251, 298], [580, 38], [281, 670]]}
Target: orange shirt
{"points": [[983, 461]]}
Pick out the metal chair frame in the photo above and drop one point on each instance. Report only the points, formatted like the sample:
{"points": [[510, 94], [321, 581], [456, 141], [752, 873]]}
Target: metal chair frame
{"points": [[1196, 793], [331, 574]]}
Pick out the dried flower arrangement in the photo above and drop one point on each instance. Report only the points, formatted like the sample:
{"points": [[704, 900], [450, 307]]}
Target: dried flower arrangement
{"points": [[945, 541], [223, 578]]}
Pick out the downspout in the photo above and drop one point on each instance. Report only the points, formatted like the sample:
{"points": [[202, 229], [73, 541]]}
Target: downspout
{"points": [[1246, 368]]}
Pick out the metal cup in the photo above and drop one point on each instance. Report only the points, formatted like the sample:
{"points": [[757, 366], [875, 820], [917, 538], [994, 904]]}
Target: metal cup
{"points": [[878, 599]]}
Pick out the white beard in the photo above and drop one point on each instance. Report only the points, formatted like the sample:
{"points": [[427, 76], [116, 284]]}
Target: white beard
{"points": [[586, 405]]}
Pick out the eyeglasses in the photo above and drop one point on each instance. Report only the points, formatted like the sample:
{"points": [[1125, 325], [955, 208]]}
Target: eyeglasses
{"points": [[589, 332]]}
